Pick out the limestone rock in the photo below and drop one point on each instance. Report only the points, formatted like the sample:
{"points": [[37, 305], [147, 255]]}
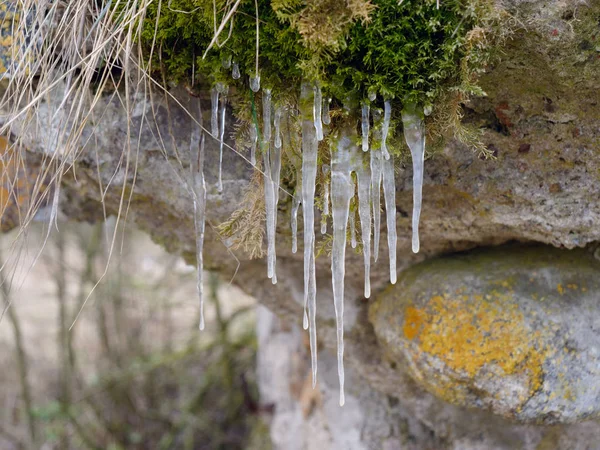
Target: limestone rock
{"points": [[515, 330]]}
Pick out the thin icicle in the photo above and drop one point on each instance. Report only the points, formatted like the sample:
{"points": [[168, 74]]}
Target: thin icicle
{"points": [[309, 176], [294, 219], [376, 174], [235, 72], [364, 213], [344, 159], [271, 208], [326, 116], [199, 196], [253, 143], [389, 193], [255, 83], [414, 134], [387, 114], [325, 171], [317, 104], [222, 136], [365, 126], [214, 112], [275, 174]]}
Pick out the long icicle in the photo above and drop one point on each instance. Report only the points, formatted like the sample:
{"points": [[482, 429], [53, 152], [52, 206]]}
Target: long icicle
{"points": [[344, 159], [309, 176], [376, 162], [414, 134], [268, 184], [364, 213], [325, 170], [275, 174], [223, 92], [389, 194], [199, 196]]}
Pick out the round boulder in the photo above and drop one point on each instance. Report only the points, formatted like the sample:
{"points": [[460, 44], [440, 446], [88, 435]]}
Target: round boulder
{"points": [[515, 330]]}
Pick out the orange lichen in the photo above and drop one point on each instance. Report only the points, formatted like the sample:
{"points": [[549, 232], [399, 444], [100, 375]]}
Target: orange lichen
{"points": [[560, 289], [470, 334]]}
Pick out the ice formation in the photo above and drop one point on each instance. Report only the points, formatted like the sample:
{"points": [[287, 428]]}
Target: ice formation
{"points": [[414, 134], [385, 128], [255, 83], [317, 104], [253, 143], [199, 197], [365, 126], [348, 173], [389, 194], [326, 117], [223, 91], [214, 112], [309, 176], [376, 175], [345, 159], [235, 71], [325, 170], [269, 185]]}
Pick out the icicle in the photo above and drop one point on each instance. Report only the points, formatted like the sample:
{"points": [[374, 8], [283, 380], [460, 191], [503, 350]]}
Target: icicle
{"points": [[352, 225], [235, 72], [214, 112], [343, 160], [222, 136], [365, 126], [277, 123], [376, 161], [255, 83], [387, 114], [253, 143], [372, 95], [309, 175], [325, 170], [199, 196], [270, 206], [326, 115], [364, 213], [414, 134], [275, 174], [317, 104], [389, 193]]}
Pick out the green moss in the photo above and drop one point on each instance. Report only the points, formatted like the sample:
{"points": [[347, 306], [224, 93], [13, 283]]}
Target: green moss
{"points": [[408, 51]]}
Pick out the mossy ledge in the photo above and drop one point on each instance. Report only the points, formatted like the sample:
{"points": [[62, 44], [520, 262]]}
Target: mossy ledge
{"points": [[410, 51]]}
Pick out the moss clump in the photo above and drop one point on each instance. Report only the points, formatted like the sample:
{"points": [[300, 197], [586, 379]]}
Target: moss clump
{"points": [[409, 51]]}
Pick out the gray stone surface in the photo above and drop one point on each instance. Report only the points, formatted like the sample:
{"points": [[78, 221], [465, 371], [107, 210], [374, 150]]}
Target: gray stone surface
{"points": [[514, 329]]}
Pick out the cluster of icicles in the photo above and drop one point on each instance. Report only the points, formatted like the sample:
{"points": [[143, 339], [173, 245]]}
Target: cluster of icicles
{"points": [[346, 158]]}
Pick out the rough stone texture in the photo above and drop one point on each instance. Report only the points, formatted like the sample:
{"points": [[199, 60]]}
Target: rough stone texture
{"points": [[541, 118], [515, 329]]}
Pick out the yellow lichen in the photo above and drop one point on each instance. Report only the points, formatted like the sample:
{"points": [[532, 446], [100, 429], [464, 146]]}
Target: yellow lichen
{"points": [[469, 335]]}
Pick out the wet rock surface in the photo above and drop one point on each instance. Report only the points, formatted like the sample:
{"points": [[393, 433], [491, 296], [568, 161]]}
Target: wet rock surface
{"points": [[514, 330]]}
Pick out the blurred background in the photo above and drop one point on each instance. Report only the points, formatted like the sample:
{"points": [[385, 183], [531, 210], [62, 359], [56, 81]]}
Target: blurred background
{"points": [[109, 356]]}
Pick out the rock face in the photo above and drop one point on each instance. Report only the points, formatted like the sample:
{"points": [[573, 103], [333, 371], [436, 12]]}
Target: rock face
{"points": [[515, 330]]}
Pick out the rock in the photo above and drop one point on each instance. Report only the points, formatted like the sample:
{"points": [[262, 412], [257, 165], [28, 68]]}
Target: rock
{"points": [[515, 330]]}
